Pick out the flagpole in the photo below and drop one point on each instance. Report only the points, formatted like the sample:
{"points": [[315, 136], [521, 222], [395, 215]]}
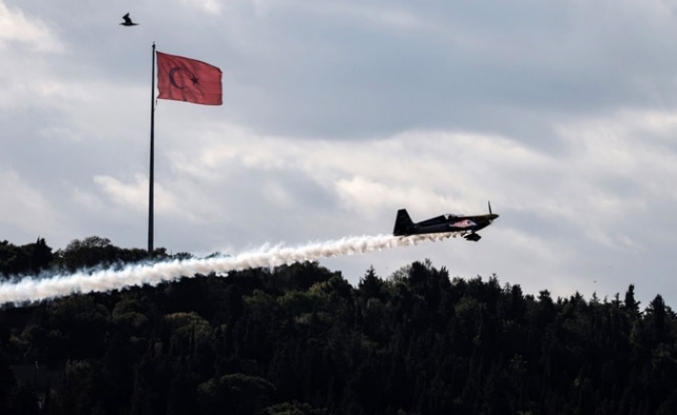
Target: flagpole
{"points": [[152, 159]]}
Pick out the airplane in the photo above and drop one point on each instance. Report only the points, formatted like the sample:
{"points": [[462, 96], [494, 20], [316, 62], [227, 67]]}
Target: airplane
{"points": [[466, 225], [127, 21]]}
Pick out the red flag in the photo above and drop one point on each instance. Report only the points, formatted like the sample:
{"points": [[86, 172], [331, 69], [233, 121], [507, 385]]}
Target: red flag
{"points": [[184, 79]]}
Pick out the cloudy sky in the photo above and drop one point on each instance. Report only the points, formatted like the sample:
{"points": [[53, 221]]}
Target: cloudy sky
{"points": [[336, 114]]}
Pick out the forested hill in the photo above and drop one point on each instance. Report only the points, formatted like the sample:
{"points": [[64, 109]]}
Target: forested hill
{"points": [[300, 339]]}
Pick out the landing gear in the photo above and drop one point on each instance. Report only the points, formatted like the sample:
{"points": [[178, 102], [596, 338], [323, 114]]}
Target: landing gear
{"points": [[473, 237]]}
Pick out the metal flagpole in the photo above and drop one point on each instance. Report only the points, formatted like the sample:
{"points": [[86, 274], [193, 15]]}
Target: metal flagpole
{"points": [[152, 159]]}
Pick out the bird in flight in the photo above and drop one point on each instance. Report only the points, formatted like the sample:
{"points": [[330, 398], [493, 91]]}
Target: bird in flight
{"points": [[128, 21]]}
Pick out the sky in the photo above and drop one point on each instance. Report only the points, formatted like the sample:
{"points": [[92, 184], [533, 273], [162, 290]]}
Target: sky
{"points": [[335, 115]]}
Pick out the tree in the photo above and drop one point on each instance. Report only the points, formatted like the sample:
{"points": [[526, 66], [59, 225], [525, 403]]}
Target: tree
{"points": [[656, 313], [370, 286], [235, 393], [25, 259], [630, 305]]}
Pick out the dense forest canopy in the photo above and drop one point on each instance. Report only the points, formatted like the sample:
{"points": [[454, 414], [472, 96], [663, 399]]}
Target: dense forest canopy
{"points": [[301, 340]]}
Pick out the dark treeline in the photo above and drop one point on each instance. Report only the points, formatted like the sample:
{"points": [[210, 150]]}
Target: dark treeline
{"points": [[300, 340]]}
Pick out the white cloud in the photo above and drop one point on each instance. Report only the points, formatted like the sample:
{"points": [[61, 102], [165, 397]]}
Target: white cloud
{"points": [[16, 27], [209, 6], [26, 210], [437, 172], [628, 146], [134, 196]]}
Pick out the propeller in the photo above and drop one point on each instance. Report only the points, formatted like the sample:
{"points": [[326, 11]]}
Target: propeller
{"points": [[491, 214]]}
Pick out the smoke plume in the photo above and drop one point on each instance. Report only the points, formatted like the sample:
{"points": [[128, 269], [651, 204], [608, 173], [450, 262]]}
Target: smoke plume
{"points": [[31, 289]]}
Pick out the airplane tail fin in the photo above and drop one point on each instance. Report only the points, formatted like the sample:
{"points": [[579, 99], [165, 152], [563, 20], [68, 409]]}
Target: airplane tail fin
{"points": [[403, 223]]}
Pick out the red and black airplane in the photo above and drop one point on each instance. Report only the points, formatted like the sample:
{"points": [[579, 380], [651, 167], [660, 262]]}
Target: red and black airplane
{"points": [[467, 226]]}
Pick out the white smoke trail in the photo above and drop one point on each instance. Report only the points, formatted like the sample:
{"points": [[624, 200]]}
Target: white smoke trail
{"points": [[32, 289]]}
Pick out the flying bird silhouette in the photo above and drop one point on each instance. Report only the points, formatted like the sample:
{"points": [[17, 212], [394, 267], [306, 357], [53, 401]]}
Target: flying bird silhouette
{"points": [[128, 21]]}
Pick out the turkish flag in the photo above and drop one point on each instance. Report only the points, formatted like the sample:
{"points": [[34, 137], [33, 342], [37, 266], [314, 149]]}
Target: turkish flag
{"points": [[184, 79]]}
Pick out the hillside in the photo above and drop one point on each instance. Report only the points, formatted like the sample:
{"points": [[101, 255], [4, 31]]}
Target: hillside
{"points": [[301, 340]]}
